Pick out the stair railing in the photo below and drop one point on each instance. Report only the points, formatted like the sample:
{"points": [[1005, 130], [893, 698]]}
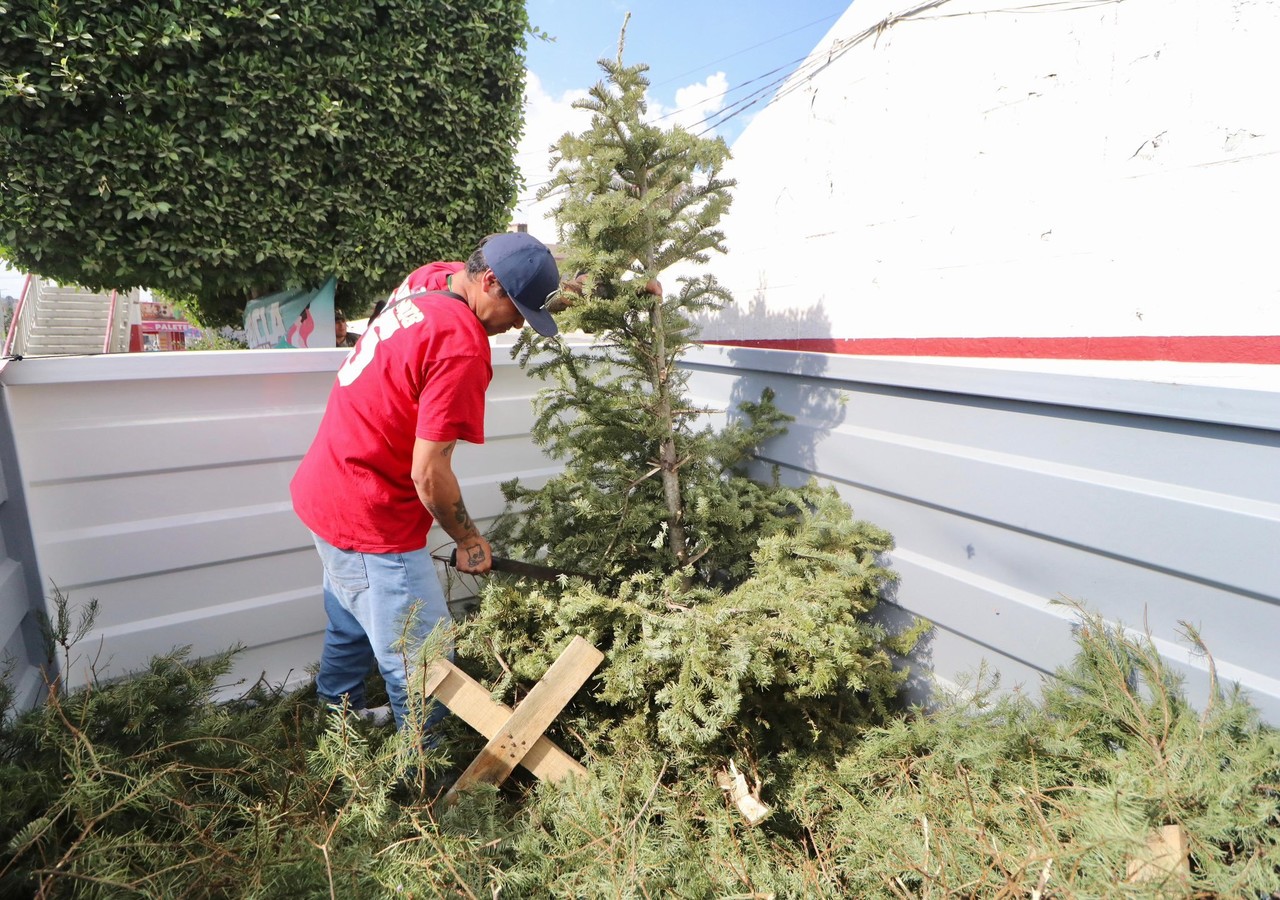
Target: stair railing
{"points": [[118, 321], [111, 321], [24, 314]]}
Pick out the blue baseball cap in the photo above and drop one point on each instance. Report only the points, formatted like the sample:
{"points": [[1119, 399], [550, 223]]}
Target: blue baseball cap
{"points": [[527, 272]]}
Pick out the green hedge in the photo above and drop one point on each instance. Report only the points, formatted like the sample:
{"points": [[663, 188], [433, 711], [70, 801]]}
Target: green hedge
{"points": [[218, 150]]}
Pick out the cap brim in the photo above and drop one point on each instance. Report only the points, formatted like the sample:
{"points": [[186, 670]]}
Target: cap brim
{"points": [[539, 320]]}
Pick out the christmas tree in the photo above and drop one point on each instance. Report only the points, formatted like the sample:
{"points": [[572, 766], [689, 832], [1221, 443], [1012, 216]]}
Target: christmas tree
{"points": [[734, 613]]}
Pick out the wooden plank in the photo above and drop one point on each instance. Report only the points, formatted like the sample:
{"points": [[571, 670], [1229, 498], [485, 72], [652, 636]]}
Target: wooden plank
{"points": [[1166, 857], [539, 709], [470, 702], [439, 671]]}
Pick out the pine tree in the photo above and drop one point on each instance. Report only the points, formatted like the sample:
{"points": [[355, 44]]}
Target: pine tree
{"points": [[643, 486], [734, 613]]}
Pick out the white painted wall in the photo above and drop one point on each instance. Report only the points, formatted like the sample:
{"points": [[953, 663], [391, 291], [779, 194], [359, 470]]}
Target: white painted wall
{"points": [[1078, 168], [20, 652]]}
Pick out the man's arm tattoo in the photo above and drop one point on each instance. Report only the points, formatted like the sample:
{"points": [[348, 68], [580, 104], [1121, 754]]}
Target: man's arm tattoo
{"points": [[475, 554], [463, 518]]}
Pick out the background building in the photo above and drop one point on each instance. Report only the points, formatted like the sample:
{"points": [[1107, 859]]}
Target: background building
{"points": [[1093, 179]]}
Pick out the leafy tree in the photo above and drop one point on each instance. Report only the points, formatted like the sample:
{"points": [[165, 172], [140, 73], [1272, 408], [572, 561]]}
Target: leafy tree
{"points": [[734, 613], [222, 150]]}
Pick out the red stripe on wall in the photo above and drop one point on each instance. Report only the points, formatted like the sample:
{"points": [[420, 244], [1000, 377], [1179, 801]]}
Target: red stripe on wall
{"points": [[1188, 348]]}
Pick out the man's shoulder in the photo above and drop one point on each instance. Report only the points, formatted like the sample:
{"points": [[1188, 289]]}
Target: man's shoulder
{"points": [[454, 328], [433, 276], [435, 325]]}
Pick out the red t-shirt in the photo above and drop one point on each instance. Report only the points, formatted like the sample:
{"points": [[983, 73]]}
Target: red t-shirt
{"points": [[420, 371]]}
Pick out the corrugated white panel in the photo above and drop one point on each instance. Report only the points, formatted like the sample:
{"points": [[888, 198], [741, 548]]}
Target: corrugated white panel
{"points": [[19, 630], [1151, 501], [158, 484]]}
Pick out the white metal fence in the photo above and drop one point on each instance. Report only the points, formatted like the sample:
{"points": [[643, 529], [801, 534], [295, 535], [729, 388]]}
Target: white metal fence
{"points": [[157, 483], [1149, 492]]}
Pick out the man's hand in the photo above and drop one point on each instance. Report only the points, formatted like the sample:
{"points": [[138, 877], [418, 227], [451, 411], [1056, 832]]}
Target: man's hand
{"points": [[571, 292], [475, 558]]}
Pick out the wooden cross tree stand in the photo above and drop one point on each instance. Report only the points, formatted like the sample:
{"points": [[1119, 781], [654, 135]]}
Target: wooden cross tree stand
{"points": [[515, 736]]}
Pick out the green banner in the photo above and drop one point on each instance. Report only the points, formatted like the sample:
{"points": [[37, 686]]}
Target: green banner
{"points": [[298, 318]]}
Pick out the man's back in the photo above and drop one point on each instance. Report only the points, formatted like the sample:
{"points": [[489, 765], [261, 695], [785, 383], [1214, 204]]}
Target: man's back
{"points": [[419, 372]]}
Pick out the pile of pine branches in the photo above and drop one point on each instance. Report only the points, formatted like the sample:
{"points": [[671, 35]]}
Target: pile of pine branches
{"points": [[147, 787]]}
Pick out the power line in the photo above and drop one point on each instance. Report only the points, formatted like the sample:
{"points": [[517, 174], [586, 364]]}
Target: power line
{"points": [[724, 114], [737, 87], [704, 66], [727, 112], [811, 66], [805, 73], [721, 115]]}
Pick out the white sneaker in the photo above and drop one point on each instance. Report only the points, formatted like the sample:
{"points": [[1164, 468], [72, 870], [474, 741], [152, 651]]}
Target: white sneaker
{"points": [[376, 716]]}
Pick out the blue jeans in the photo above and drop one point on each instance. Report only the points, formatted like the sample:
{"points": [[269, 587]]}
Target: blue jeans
{"points": [[368, 597]]}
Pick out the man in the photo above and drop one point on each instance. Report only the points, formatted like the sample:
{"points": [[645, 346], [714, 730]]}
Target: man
{"points": [[380, 468], [342, 337]]}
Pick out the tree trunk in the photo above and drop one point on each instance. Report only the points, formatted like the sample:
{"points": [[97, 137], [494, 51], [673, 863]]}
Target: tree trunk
{"points": [[668, 458]]}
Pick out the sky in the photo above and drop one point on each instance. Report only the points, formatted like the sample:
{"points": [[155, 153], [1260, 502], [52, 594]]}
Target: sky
{"points": [[10, 282], [712, 67], [705, 59]]}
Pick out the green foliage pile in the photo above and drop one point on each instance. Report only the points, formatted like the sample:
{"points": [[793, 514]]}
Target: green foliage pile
{"points": [[995, 798], [145, 787], [223, 151], [785, 660]]}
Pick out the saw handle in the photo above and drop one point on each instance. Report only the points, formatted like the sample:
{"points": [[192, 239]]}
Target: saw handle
{"points": [[515, 567], [453, 558]]}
